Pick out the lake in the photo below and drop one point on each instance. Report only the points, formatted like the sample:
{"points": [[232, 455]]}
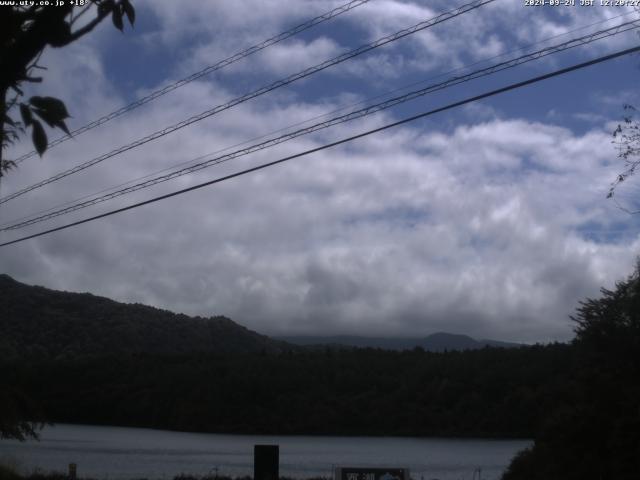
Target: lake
{"points": [[127, 453]]}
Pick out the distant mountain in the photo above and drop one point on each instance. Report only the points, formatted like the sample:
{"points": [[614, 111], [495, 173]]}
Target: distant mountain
{"points": [[437, 342], [39, 322]]}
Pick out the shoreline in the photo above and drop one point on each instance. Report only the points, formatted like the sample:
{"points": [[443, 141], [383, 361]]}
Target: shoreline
{"points": [[444, 438]]}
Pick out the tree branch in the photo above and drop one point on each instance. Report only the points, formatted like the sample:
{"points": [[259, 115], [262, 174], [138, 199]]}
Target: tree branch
{"points": [[84, 10], [89, 26]]}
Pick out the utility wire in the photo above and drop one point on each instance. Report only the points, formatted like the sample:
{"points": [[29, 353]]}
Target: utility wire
{"points": [[205, 71], [584, 40], [450, 106], [308, 120], [261, 91]]}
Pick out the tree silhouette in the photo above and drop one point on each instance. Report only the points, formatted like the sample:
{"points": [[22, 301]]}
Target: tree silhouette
{"points": [[626, 137], [20, 416], [25, 32], [596, 432]]}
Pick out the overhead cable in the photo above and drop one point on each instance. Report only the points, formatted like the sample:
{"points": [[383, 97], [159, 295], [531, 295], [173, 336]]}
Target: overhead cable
{"points": [[450, 106], [205, 71], [576, 42], [261, 91], [316, 117]]}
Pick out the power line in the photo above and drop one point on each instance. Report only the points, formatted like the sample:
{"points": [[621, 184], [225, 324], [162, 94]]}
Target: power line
{"points": [[334, 121], [205, 71], [450, 106], [261, 91], [297, 124], [584, 40]]}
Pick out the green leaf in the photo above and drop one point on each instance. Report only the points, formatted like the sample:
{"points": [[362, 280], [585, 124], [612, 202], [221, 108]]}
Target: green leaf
{"points": [[116, 16], [25, 112], [129, 11], [52, 122], [56, 107], [51, 110], [63, 126], [39, 137], [46, 116]]}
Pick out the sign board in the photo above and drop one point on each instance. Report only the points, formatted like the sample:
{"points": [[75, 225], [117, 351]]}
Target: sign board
{"points": [[266, 462], [371, 473]]}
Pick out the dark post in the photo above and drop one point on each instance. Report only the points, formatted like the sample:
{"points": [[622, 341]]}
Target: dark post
{"points": [[266, 462], [73, 468]]}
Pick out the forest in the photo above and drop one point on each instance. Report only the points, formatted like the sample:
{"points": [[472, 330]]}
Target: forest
{"points": [[486, 393]]}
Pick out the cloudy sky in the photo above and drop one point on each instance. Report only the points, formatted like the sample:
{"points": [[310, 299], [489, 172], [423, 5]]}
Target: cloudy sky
{"points": [[489, 219]]}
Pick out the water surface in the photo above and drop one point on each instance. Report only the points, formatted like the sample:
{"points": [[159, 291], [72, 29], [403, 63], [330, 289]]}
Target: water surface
{"points": [[127, 453]]}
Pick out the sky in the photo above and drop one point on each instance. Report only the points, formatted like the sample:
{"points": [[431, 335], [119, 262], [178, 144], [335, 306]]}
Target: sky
{"points": [[490, 219]]}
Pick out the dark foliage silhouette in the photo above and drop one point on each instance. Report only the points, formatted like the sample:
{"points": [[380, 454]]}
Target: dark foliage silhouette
{"points": [[595, 432], [25, 32]]}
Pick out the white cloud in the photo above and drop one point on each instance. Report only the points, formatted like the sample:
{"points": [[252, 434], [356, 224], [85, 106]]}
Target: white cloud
{"points": [[401, 233], [476, 229], [291, 57]]}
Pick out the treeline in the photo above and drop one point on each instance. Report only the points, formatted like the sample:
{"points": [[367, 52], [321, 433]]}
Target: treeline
{"points": [[491, 392]]}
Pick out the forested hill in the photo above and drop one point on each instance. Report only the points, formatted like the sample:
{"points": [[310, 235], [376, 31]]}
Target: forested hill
{"points": [[43, 323], [436, 342]]}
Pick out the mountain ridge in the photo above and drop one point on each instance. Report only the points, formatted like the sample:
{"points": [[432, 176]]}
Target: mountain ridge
{"points": [[436, 342], [41, 322]]}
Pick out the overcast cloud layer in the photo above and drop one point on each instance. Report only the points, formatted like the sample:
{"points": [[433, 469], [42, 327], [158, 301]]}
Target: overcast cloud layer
{"points": [[490, 220]]}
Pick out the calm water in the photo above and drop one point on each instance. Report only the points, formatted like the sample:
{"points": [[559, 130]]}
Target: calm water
{"points": [[125, 453]]}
